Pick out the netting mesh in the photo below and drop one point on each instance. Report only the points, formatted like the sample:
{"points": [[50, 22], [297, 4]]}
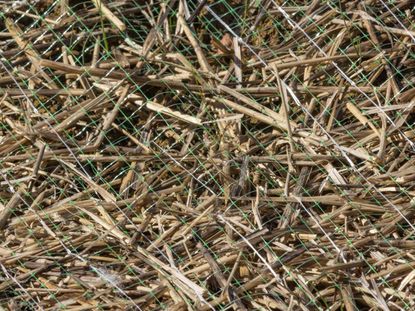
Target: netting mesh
{"points": [[207, 155]]}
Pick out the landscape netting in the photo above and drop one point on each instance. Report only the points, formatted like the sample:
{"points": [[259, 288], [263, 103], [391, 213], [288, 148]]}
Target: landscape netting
{"points": [[207, 155]]}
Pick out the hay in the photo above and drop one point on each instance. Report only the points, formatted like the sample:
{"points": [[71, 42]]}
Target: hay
{"points": [[207, 155]]}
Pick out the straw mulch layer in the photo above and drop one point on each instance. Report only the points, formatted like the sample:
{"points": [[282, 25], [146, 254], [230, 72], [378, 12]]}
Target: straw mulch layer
{"points": [[207, 155]]}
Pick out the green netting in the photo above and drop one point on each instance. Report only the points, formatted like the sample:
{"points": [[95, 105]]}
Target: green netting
{"points": [[207, 155]]}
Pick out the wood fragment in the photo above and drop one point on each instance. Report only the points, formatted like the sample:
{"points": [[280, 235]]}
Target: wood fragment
{"points": [[109, 14], [7, 210]]}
